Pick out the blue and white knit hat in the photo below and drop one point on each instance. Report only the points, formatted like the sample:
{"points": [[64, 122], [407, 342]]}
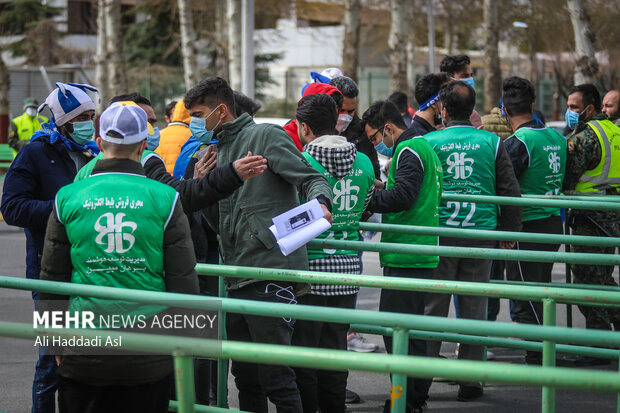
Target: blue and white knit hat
{"points": [[68, 100]]}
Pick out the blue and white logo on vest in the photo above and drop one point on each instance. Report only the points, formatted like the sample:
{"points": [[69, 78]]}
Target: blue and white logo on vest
{"points": [[111, 229], [554, 162], [460, 166], [345, 194]]}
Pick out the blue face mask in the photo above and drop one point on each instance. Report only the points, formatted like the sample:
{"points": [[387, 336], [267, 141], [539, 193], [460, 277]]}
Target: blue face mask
{"points": [[383, 149], [572, 118], [152, 141], [469, 81], [198, 126], [83, 132]]}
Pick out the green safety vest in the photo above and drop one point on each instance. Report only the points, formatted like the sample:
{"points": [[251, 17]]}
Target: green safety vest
{"points": [[607, 172], [27, 126], [545, 172], [423, 212], [87, 169], [115, 223], [467, 157], [348, 204]]}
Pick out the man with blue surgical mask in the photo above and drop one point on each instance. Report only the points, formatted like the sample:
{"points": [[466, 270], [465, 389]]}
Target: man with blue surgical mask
{"points": [[583, 104], [48, 163], [592, 168], [459, 68], [411, 197]]}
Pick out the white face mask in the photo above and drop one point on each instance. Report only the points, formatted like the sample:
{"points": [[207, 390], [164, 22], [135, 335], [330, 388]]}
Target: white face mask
{"points": [[32, 112], [343, 122]]}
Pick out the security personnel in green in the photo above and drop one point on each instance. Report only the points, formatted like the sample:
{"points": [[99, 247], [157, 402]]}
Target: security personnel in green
{"points": [[474, 162], [24, 126], [411, 197], [538, 156], [593, 168], [120, 229], [350, 175]]}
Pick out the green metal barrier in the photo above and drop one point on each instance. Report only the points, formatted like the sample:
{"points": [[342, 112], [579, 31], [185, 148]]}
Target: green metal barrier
{"points": [[601, 198], [462, 252], [548, 346], [401, 323], [592, 297], [492, 234], [582, 203], [401, 326], [339, 360], [490, 341]]}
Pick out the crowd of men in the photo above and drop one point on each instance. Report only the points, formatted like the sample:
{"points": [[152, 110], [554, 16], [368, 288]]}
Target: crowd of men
{"points": [[211, 181]]}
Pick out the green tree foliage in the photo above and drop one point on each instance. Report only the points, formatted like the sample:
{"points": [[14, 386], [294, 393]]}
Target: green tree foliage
{"points": [[154, 37], [40, 36], [261, 73], [20, 15]]}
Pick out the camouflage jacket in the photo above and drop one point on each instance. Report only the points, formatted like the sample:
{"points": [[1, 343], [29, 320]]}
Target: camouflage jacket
{"points": [[583, 153]]}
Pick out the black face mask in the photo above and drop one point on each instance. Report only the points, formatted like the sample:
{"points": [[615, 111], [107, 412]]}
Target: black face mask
{"points": [[437, 118]]}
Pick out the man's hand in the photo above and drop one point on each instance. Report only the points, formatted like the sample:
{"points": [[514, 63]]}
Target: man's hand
{"points": [[326, 214], [250, 166], [507, 245], [205, 164], [379, 184]]}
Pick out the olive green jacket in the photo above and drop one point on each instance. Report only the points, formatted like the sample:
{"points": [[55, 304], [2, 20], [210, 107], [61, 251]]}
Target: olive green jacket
{"points": [[243, 219]]}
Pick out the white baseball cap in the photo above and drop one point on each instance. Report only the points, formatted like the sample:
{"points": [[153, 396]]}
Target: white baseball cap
{"points": [[123, 124]]}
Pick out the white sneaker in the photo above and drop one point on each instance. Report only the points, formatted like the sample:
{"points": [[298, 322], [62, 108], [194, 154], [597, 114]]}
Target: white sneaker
{"points": [[356, 342], [490, 354]]}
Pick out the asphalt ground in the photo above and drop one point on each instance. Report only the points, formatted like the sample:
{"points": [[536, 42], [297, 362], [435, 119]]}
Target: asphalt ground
{"points": [[17, 357]]}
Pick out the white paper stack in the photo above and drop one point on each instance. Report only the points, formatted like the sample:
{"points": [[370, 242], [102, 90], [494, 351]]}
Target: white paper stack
{"points": [[295, 227]]}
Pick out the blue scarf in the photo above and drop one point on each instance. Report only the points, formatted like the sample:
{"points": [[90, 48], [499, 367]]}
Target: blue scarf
{"points": [[50, 130], [189, 148]]}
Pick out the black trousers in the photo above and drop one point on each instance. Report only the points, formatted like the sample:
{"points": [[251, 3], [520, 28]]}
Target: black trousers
{"points": [[530, 312], [409, 302], [322, 389], [257, 382], [79, 397]]}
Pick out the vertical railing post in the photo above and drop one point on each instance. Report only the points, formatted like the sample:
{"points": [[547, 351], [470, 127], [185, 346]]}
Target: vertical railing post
{"points": [[618, 403], [569, 280], [222, 363], [548, 355], [400, 346], [184, 379]]}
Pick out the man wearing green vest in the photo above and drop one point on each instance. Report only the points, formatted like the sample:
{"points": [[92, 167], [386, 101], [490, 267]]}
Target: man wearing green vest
{"points": [[538, 156], [145, 230], [474, 161], [24, 126], [411, 197], [351, 177], [593, 168]]}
